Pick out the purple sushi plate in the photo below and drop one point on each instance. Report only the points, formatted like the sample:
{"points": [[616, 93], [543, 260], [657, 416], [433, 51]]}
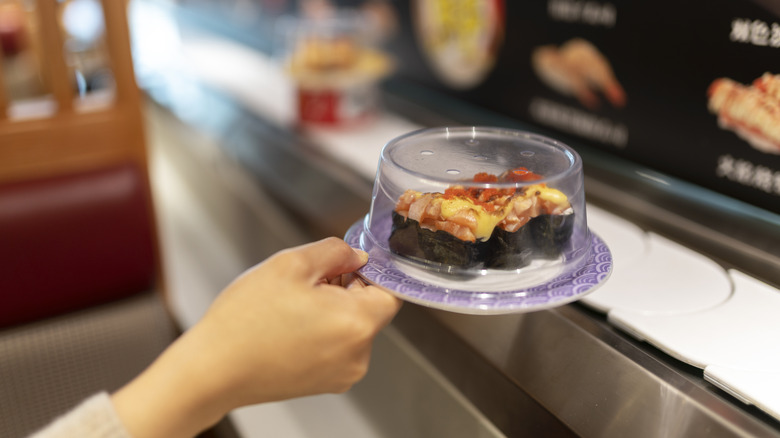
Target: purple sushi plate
{"points": [[382, 270]]}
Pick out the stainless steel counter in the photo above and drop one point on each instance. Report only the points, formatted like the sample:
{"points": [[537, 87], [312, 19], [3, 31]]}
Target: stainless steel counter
{"points": [[564, 371]]}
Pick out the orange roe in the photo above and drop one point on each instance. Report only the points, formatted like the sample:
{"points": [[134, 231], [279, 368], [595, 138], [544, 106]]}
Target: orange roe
{"points": [[486, 197], [522, 174]]}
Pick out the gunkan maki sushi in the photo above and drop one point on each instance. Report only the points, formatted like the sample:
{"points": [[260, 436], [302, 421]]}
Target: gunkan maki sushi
{"points": [[482, 228]]}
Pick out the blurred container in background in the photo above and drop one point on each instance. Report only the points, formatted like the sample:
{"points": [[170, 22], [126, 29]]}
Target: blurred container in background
{"points": [[336, 64]]}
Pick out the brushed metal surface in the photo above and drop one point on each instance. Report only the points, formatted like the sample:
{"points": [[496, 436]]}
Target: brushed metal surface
{"points": [[596, 381]]}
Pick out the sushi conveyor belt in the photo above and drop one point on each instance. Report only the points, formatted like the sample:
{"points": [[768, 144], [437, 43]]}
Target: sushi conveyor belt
{"points": [[718, 322]]}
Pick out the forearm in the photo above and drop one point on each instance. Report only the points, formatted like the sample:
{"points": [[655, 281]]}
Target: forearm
{"points": [[177, 396], [285, 328]]}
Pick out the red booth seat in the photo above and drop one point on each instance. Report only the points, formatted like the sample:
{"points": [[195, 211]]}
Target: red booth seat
{"points": [[74, 241]]}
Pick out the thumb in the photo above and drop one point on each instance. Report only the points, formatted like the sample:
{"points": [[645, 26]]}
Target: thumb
{"points": [[327, 258]]}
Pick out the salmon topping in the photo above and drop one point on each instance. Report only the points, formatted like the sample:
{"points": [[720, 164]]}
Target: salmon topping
{"points": [[472, 213]]}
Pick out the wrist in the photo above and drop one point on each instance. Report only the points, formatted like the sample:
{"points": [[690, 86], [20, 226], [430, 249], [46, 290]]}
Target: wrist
{"points": [[179, 395]]}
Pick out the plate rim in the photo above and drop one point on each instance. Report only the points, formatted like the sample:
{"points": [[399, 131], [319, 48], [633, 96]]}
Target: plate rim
{"points": [[354, 236]]}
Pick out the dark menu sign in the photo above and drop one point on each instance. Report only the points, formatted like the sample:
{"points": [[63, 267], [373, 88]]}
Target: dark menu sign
{"points": [[691, 89]]}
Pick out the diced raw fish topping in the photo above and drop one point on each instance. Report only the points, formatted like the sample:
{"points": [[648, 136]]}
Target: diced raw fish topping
{"points": [[472, 213]]}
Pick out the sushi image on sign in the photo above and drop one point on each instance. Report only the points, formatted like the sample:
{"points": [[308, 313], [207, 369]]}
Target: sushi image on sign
{"points": [[750, 111]]}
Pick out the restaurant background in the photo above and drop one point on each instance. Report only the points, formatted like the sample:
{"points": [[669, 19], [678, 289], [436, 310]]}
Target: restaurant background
{"points": [[238, 177]]}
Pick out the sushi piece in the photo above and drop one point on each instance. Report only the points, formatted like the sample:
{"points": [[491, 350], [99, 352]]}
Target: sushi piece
{"points": [[474, 228], [437, 249], [541, 238]]}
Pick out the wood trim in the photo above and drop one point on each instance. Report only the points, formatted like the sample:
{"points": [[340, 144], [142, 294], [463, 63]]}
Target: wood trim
{"points": [[118, 42], [3, 93], [55, 70], [40, 148]]}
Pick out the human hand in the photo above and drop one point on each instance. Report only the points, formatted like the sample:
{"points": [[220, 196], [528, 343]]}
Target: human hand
{"points": [[297, 324], [288, 328]]}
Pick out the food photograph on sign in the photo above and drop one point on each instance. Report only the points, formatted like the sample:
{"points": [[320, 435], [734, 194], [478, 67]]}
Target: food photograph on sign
{"points": [[751, 111], [460, 39], [578, 69]]}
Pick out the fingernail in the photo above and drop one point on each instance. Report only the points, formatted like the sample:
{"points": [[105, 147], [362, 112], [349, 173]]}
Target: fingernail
{"points": [[363, 255]]}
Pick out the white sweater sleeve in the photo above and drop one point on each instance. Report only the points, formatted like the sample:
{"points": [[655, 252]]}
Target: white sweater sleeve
{"points": [[95, 417]]}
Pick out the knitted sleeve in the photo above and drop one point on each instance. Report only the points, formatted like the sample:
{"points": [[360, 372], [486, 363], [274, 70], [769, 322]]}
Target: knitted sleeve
{"points": [[95, 417]]}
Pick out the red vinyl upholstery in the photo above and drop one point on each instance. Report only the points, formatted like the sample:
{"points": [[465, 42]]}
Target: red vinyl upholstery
{"points": [[74, 241]]}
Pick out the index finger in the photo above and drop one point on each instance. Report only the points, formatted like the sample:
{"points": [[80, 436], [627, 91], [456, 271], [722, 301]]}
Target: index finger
{"points": [[381, 304], [324, 259]]}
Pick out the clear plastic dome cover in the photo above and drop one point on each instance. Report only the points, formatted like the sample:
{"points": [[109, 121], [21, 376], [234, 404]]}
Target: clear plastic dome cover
{"points": [[479, 208]]}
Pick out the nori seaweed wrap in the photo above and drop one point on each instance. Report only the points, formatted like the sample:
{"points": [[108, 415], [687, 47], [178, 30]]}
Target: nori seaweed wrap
{"points": [[543, 237], [465, 229], [434, 248]]}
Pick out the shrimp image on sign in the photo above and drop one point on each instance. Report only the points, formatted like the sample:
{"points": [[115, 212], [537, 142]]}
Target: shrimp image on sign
{"points": [[750, 111], [578, 69]]}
